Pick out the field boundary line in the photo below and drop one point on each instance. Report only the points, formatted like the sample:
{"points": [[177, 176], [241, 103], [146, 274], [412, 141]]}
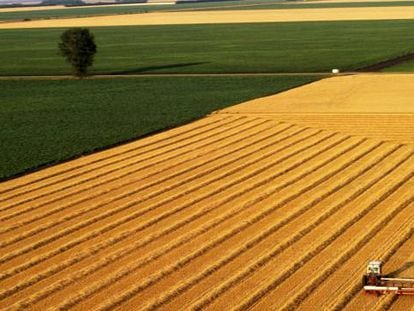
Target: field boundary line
{"points": [[151, 75], [325, 74], [156, 182], [121, 153], [118, 186], [128, 193], [202, 174], [217, 128], [129, 172]]}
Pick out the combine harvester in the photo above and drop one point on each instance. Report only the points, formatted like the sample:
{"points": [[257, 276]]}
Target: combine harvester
{"points": [[375, 283]]}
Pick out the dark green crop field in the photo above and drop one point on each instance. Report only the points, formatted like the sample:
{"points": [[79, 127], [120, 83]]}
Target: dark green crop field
{"points": [[48, 121], [230, 48]]}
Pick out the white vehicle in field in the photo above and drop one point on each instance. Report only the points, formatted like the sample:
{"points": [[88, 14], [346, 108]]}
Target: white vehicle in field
{"points": [[374, 282]]}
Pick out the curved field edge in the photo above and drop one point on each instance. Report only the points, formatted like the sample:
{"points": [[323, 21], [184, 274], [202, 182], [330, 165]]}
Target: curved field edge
{"points": [[65, 119], [215, 48]]}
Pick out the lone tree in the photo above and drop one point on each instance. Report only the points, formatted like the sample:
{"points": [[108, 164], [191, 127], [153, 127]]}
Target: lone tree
{"points": [[78, 47]]}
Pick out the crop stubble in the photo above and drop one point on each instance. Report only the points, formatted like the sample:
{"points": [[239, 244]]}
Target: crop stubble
{"points": [[236, 207]]}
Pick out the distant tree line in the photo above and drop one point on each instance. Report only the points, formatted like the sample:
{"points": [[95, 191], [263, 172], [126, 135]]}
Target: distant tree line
{"points": [[62, 2]]}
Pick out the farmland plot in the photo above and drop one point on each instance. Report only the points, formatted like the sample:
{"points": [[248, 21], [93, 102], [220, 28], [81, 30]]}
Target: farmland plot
{"points": [[227, 17], [345, 104], [241, 209]]}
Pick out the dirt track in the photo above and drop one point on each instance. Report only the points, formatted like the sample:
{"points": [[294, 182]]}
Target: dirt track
{"points": [[230, 16], [237, 207]]}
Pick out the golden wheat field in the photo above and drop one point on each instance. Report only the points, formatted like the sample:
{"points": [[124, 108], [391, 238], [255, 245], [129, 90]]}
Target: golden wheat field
{"points": [[230, 16], [344, 104], [235, 211]]}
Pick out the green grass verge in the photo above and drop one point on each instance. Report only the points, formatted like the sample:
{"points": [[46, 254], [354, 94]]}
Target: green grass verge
{"points": [[226, 5], [266, 47], [48, 121]]}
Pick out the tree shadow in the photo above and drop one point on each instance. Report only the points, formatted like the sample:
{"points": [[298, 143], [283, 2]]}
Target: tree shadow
{"points": [[152, 68], [396, 273]]}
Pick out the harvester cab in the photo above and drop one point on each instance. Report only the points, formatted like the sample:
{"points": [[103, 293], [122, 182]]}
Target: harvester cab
{"points": [[374, 273]]}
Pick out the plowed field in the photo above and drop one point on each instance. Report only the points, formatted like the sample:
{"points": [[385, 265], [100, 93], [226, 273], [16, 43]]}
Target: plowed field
{"points": [[237, 210]]}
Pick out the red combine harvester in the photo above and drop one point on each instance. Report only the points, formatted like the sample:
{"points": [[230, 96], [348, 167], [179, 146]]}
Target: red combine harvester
{"points": [[375, 283]]}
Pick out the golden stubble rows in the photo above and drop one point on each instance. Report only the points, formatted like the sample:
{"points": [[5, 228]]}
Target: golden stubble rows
{"points": [[373, 105], [241, 209]]}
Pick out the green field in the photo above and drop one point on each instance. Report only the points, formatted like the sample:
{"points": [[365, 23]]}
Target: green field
{"points": [[226, 5], [48, 121], [310, 5], [230, 48]]}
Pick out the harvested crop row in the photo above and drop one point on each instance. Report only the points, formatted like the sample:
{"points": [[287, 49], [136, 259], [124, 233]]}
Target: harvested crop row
{"points": [[120, 162], [189, 171], [249, 284], [142, 178], [65, 170], [195, 220], [282, 198], [319, 278], [337, 297], [204, 228], [223, 227], [389, 244], [350, 104], [140, 212], [393, 127], [151, 158], [293, 230]]}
